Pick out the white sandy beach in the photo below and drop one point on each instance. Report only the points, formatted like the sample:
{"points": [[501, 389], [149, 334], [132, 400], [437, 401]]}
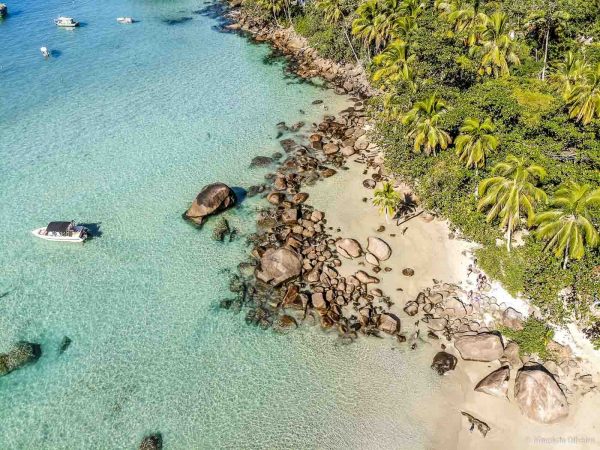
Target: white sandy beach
{"points": [[427, 248]]}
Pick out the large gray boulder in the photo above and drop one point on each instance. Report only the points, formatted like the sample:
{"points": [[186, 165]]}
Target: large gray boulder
{"points": [[539, 396], [495, 383], [20, 354], [379, 248], [212, 199], [278, 265], [348, 248], [480, 347]]}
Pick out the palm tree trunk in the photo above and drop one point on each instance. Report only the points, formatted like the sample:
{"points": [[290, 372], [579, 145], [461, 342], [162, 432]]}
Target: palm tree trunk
{"points": [[546, 54], [566, 260], [350, 43], [509, 238], [286, 8]]}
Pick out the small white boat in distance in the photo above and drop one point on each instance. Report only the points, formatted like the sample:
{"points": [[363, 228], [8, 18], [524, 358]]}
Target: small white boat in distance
{"points": [[62, 231], [125, 20], [66, 22], [45, 51]]}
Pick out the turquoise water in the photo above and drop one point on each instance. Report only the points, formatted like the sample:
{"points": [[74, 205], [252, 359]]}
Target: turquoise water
{"points": [[121, 128]]}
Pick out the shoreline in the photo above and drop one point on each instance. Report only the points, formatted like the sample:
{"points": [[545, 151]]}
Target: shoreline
{"points": [[432, 274]]}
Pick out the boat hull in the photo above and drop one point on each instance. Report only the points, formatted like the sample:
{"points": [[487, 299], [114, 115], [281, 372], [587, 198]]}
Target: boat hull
{"points": [[74, 239]]}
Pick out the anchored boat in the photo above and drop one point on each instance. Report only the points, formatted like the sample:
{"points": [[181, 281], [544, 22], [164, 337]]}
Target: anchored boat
{"points": [[125, 20], [45, 52], [66, 22], [62, 231]]}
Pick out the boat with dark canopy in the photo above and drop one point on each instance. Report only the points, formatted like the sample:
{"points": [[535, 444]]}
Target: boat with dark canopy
{"points": [[62, 231]]}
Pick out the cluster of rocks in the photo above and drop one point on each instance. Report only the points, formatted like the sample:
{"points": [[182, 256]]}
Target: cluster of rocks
{"points": [[306, 62], [468, 320], [293, 275]]}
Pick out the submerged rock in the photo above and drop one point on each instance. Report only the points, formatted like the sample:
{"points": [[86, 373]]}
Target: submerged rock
{"points": [[64, 344], [213, 199], [221, 229], [443, 362], [152, 442], [539, 396], [284, 324], [279, 265], [21, 354], [261, 161]]}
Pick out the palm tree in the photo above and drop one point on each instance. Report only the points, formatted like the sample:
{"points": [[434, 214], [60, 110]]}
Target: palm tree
{"points": [[334, 15], [396, 63], [387, 199], [583, 99], [545, 22], [498, 48], [475, 141], [466, 17], [510, 193], [569, 72], [367, 25], [411, 8], [568, 228], [422, 122]]}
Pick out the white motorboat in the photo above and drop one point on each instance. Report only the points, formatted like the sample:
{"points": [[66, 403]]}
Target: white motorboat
{"points": [[125, 19], [62, 231], [45, 52], [66, 22]]}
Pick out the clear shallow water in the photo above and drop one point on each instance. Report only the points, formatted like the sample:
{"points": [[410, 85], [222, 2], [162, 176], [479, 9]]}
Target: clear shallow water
{"points": [[121, 128]]}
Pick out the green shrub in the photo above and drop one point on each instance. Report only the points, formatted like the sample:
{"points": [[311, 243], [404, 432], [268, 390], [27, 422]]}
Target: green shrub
{"points": [[532, 339]]}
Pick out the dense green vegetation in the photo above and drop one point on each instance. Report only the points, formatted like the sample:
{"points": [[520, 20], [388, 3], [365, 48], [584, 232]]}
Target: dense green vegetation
{"points": [[532, 339], [492, 110]]}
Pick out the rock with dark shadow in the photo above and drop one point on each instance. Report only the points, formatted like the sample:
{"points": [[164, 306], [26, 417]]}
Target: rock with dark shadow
{"points": [[21, 354], [539, 396], [213, 199], [443, 362]]}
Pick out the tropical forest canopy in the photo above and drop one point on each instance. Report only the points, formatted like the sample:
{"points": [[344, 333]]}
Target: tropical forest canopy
{"points": [[492, 110]]}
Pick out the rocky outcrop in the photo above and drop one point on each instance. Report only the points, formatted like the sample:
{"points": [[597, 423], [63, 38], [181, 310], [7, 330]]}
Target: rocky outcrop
{"points": [[443, 362], [539, 396], [211, 200], [480, 347], [279, 265], [495, 383], [379, 248], [348, 248], [348, 78], [20, 355], [152, 442]]}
